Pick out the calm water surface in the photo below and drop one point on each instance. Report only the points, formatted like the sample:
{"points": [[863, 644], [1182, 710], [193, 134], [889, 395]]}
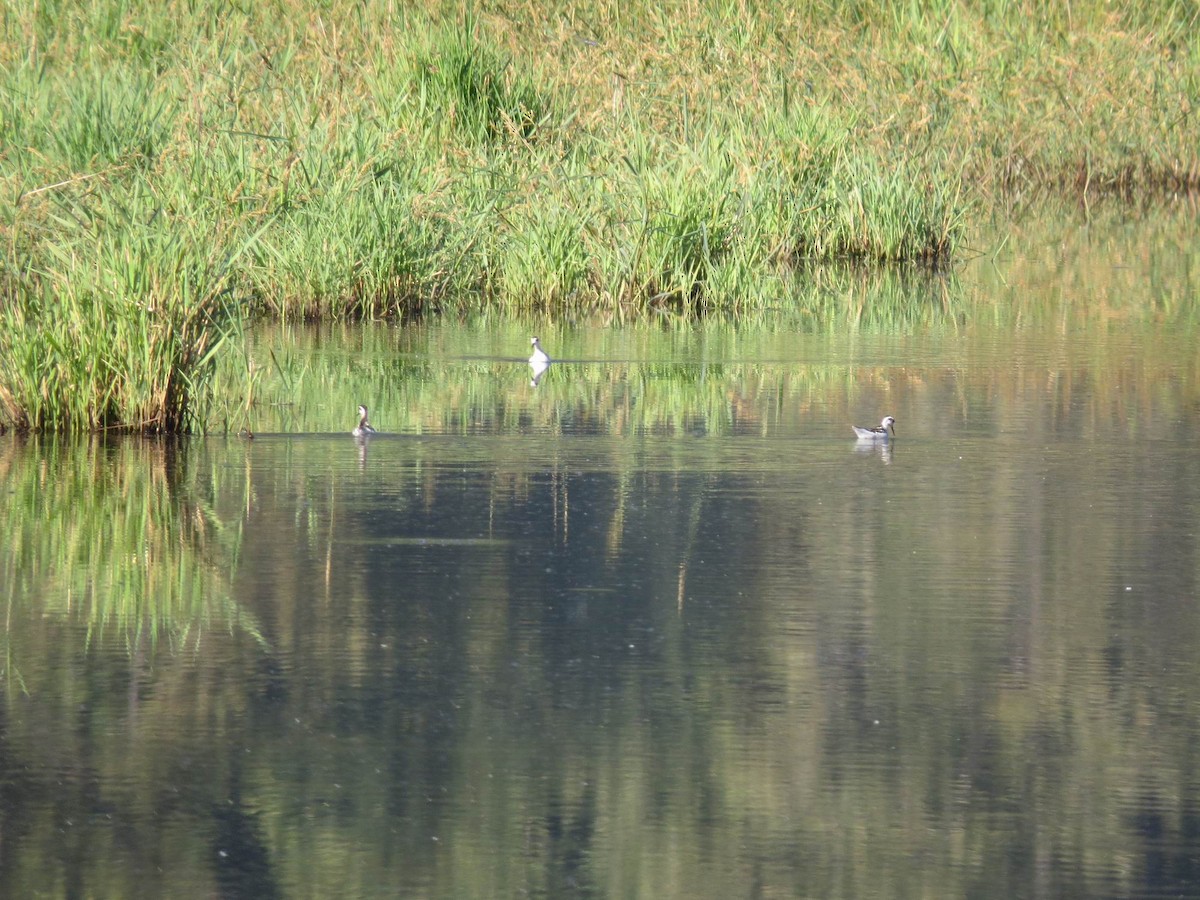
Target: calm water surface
{"points": [[658, 627]]}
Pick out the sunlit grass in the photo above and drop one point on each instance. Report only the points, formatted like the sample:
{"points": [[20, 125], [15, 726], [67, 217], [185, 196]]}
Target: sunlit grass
{"points": [[120, 327], [158, 162]]}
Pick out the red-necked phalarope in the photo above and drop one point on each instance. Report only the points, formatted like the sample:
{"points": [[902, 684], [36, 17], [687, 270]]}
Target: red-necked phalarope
{"points": [[540, 357], [877, 434], [363, 427]]}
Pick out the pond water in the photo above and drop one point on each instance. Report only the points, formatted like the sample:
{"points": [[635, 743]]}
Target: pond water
{"points": [[658, 626]]}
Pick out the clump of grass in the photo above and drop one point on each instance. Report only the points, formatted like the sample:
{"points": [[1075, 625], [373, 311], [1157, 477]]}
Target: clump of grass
{"points": [[79, 121], [354, 249], [546, 261], [116, 119], [683, 228], [856, 208], [120, 328], [466, 84]]}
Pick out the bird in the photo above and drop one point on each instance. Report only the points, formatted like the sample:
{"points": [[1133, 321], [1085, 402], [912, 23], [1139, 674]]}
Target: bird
{"points": [[539, 357], [536, 371], [877, 434], [364, 427]]}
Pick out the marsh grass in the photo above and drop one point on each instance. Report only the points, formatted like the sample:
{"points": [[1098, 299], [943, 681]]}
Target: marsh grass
{"points": [[342, 251], [468, 90], [120, 328], [652, 159]]}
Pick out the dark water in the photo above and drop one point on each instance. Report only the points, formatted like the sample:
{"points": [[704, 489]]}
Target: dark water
{"points": [[659, 627]]}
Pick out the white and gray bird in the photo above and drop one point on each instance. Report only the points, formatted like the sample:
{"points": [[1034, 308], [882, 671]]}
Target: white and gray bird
{"points": [[886, 430]]}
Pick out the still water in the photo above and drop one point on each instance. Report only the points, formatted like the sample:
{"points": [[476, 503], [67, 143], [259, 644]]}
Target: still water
{"points": [[655, 627]]}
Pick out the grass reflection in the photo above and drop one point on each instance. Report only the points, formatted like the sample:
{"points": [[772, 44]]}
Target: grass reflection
{"points": [[112, 538], [508, 666], [716, 379]]}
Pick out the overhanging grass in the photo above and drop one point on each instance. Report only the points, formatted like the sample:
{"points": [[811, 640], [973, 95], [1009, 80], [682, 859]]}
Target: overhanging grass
{"points": [[120, 328]]}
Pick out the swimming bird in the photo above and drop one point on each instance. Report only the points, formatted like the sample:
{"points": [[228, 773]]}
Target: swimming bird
{"points": [[877, 434], [364, 427], [540, 357]]}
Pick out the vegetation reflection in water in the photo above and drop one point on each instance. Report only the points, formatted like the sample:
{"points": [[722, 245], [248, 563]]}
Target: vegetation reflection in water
{"points": [[652, 628], [111, 536], [502, 652], [117, 573]]}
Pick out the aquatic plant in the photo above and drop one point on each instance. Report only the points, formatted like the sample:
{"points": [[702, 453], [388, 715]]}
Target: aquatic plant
{"points": [[119, 327]]}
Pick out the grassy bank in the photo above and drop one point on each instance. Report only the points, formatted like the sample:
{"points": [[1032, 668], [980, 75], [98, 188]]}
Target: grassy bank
{"points": [[123, 326], [166, 169]]}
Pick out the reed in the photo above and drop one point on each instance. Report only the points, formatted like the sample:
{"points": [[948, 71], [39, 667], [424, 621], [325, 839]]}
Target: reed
{"points": [[120, 327], [469, 91]]}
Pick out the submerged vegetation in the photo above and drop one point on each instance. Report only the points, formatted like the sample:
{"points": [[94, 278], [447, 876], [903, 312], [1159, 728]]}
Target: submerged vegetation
{"points": [[168, 169]]}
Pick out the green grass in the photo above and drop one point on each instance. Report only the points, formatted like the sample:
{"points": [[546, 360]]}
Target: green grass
{"points": [[167, 170], [119, 328]]}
